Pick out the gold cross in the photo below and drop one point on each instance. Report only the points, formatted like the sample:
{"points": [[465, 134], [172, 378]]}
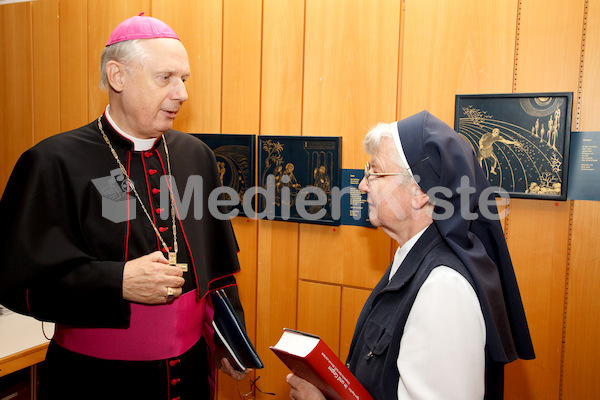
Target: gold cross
{"points": [[173, 262]]}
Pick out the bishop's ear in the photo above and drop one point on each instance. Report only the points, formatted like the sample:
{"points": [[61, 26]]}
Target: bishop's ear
{"points": [[114, 75]]}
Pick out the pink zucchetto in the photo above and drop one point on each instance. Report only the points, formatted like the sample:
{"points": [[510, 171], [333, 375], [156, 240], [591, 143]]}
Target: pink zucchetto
{"points": [[141, 27]]}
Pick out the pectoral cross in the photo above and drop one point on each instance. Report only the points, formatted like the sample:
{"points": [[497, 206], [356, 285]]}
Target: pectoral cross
{"points": [[173, 261]]}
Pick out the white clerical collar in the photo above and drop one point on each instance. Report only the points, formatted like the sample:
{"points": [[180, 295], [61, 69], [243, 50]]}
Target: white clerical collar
{"points": [[402, 252], [138, 144]]}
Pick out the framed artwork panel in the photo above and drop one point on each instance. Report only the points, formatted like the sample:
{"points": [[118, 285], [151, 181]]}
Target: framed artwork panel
{"points": [[521, 140], [298, 175], [235, 156]]}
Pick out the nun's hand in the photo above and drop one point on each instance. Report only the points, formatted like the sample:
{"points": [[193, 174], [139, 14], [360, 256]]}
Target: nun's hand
{"points": [[303, 390]]}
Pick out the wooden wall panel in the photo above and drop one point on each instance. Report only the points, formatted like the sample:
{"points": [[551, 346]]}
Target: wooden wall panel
{"points": [[199, 25], [16, 96], [73, 58], [541, 262], [453, 47], [281, 107], [581, 349], [345, 41], [245, 230], [242, 21], [503, 210], [319, 311], [282, 55], [547, 31], [539, 257], [106, 14], [280, 114], [346, 255], [352, 302], [350, 70], [46, 85], [277, 298], [589, 118]]}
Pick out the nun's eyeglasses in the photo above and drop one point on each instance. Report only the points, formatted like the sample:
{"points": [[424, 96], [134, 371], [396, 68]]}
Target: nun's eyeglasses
{"points": [[369, 174]]}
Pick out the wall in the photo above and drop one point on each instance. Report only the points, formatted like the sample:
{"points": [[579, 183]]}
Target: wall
{"points": [[335, 68]]}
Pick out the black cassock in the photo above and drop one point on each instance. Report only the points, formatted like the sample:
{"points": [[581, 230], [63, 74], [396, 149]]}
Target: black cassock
{"points": [[62, 258]]}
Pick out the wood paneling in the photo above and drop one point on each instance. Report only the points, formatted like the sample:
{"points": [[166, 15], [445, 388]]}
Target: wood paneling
{"points": [[46, 88], [547, 31], [539, 257], [242, 20], [246, 234], [581, 348], [352, 302], [280, 114], [277, 298], [199, 25], [454, 47], [350, 70], [16, 96], [106, 15], [345, 42], [346, 255], [319, 311], [589, 117], [282, 55], [73, 57]]}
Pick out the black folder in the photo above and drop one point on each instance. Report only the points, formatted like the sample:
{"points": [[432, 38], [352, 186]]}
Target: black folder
{"points": [[230, 333]]}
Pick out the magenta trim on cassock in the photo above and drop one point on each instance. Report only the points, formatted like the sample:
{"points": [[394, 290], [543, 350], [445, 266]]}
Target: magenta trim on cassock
{"points": [[209, 336], [156, 332]]}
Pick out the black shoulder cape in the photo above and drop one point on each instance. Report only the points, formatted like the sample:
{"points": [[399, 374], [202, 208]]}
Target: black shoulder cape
{"points": [[63, 261]]}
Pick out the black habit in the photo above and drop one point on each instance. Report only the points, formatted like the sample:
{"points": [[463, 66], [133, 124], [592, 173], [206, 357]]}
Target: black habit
{"points": [[63, 260]]}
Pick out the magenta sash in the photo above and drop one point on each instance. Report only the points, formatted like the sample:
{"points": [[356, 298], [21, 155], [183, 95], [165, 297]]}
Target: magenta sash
{"points": [[156, 332]]}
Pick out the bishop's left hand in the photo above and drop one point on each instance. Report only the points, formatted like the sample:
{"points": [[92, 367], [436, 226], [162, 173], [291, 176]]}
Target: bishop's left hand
{"points": [[235, 374], [147, 279]]}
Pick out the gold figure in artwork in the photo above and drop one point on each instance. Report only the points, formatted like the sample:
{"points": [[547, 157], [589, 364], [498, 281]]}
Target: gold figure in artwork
{"points": [[486, 150], [322, 180], [221, 167], [289, 179]]}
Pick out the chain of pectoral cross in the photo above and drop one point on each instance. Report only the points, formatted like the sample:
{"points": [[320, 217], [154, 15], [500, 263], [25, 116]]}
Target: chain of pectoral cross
{"points": [[172, 255]]}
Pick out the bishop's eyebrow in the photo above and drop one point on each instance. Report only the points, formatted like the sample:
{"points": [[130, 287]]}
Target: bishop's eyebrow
{"points": [[171, 72]]}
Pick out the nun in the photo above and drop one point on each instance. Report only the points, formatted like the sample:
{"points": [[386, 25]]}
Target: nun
{"points": [[447, 314]]}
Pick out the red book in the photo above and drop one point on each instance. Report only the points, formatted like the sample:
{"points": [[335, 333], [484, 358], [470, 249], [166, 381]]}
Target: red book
{"points": [[311, 359]]}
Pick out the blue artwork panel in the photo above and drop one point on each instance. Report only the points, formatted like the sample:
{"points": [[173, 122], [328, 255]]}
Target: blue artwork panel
{"points": [[520, 140]]}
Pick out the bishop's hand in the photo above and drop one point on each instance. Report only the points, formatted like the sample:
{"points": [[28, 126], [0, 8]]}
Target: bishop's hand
{"points": [[150, 279], [232, 372]]}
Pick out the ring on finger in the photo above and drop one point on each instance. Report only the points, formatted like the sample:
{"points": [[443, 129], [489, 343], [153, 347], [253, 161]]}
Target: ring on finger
{"points": [[170, 294]]}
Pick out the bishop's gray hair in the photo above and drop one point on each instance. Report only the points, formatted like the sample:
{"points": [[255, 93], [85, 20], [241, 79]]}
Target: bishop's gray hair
{"points": [[124, 52]]}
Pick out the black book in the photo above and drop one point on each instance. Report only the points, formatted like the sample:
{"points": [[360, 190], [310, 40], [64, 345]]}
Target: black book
{"points": [[230, 333]]}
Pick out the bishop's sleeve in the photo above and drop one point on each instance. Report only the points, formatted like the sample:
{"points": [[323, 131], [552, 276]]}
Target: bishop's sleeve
{"points": [[47, 270]]}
